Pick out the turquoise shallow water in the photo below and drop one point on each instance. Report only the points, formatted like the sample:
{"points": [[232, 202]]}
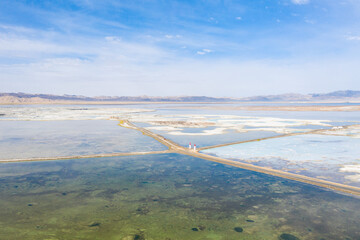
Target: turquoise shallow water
{"points": [[27, 139], [167, 196]]}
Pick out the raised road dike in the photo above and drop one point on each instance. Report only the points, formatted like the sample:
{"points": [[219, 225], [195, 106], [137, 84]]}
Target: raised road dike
{"points": [[176, 148]]}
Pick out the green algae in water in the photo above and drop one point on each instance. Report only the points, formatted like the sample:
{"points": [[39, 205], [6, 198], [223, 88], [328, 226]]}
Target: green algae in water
{"points": [[165, 197], [286, 236]]}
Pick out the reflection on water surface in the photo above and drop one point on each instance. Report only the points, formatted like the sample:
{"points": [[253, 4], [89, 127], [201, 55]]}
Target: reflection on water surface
{"points": [[28, 139]]}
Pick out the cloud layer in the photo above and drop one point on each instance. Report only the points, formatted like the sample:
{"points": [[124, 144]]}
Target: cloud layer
{"points": [[123, 48], [300, 2]]}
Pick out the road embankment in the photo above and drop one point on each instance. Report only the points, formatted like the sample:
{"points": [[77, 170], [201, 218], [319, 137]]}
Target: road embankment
{"points": [[84, 156], [296, 177]]}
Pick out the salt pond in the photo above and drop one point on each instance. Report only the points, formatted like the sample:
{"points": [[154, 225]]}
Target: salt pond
{"points": [[314, 155], [173, 196], [29, 139], [166, 196], [209, 140]]}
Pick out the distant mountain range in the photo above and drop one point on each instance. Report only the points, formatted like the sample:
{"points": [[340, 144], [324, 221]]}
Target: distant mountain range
{"points": [[26, 98], [347, 95]]}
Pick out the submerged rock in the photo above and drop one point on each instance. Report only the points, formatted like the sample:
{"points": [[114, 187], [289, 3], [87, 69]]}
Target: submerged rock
{"points": [[238, 229], [286, 236], [95, 224], [142, 210], [138, 237], [201, 227]]}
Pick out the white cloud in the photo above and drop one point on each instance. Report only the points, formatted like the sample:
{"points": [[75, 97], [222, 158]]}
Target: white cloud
{"points": [[109, 65], [111, 73], [300, 2], [172, 36], [353, 38], [213, 20], [238, 18], [113, 39], [14, 47], [17, 29], [309, 21], [204, 51]]}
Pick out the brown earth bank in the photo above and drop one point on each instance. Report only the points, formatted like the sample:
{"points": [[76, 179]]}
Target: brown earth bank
{"points": [[35, 159]]}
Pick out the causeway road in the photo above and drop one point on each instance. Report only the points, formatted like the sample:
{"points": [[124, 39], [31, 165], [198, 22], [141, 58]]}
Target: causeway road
{"points": [[316, 131], [83, 156], [176, 148]]}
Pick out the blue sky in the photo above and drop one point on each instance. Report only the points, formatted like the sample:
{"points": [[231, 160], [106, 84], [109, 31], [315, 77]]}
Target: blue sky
{"points": [[161, 48]]}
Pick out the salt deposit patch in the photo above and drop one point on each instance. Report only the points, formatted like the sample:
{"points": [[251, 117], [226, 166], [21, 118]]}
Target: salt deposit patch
{"points": [[351, 168], [353, 178], [68, 113], [225, 122], [164, 128], [351, 131], [203, 133]]}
